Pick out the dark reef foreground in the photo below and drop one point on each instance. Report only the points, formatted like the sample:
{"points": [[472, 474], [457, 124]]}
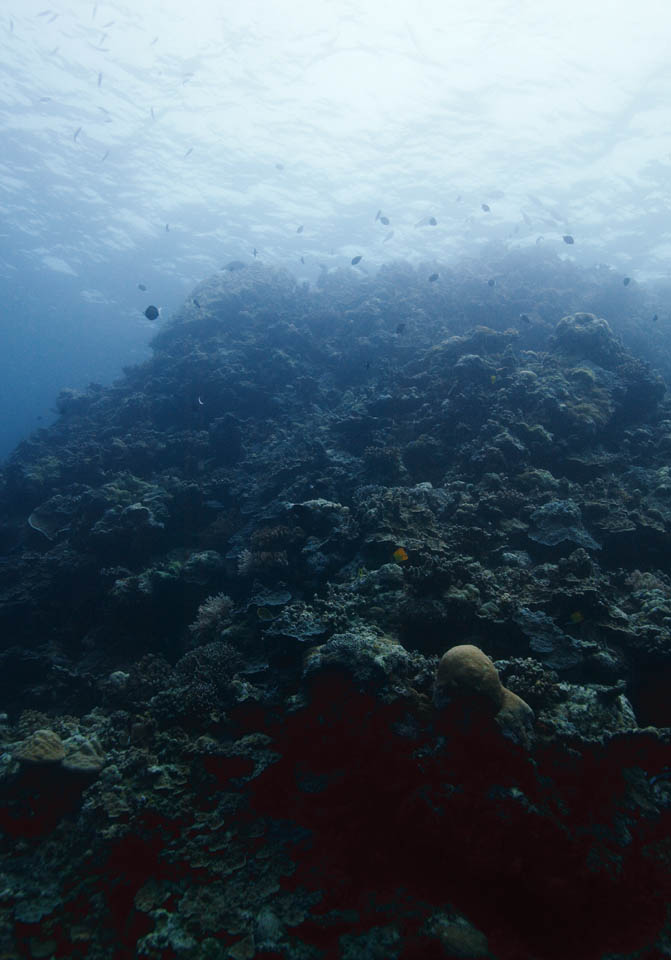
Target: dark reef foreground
{"points": [[226, 586]]}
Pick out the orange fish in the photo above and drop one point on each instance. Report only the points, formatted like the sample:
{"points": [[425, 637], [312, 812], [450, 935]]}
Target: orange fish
{"points": [[399, 555]]}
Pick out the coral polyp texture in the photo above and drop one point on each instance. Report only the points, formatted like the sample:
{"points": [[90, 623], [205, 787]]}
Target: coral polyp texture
{"points": [[340, 627]]}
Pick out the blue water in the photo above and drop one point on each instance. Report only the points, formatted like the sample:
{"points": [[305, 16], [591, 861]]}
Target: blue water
{"points": [[152, 145]]}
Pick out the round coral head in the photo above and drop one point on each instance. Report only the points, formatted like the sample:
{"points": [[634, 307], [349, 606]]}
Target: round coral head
{"points": [[465, 672]]}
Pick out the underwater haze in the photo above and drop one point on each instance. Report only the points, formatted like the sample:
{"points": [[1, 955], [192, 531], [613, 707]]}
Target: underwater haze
{"points": [[149, 144]]}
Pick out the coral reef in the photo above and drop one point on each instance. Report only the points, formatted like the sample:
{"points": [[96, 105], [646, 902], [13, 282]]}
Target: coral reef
{"points": [[227, 584]]}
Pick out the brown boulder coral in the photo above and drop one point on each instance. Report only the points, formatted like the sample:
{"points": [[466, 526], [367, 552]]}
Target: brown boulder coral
{"points": [[468, 680]]}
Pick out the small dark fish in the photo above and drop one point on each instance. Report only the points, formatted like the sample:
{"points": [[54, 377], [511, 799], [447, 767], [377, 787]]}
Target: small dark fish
{"points": [[525, 318], [11, 26], [45, 99], [167, 228], [433, 222], [151, 111], [491, 282], [188, 152], [356, 260], [77, 132], [254, 252], [153, 41], [110, 23], [385, 221], [279, 166], [433, 278], [100, 79], [141, 286], [234, 265], [367, 364], [654, 319], [400, 328], [196, 302], [485, 207], [539, 240], [40, 418], [106, 154], [95, 10], [567, 238], [44, 13], [626, 281], [54, 17], [299, 229], [151, 313], [302, 259]]}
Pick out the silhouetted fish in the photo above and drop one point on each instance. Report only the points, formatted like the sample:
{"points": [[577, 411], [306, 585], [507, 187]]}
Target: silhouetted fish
{"points": [[100, 79], [400, 328], [234, 265], [188, 152], [106, 154], [626, 281], [356, 260], [433, 278], [433, 222], [491, 282], [299, 229], [141, 286], [279, 166], [77, 132], [167, 228], [654, 319], [524, 318], [567, 238], [302, 259], [385, 221], [151, 312], [196, 303], [427, 222], [254, 252], [485, 207]]}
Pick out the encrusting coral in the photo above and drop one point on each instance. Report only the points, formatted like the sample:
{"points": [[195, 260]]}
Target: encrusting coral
{"points": [[468, 679]]}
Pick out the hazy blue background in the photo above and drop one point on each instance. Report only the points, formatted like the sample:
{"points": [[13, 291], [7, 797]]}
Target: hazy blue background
{"points": [[236, 123]]}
